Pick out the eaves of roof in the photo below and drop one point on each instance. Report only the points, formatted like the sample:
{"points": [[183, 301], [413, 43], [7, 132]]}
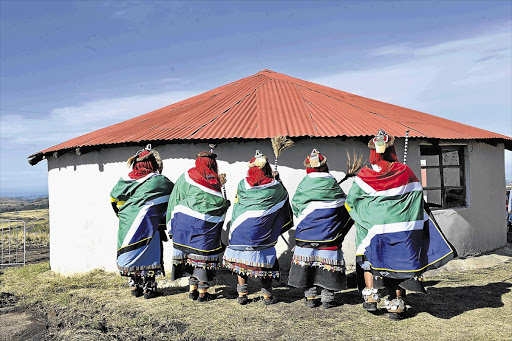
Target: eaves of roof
{"points": [[268, 104]]}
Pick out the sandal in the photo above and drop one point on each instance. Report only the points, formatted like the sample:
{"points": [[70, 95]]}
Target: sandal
{"points": [[371, 298]]}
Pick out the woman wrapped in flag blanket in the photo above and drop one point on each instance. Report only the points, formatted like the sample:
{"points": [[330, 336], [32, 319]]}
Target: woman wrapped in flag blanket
{"points": [[139, 199], [261, 213], [195, 217], [396, 240], [322, 218]]}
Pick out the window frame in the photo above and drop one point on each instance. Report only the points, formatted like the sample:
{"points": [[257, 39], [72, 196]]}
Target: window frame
{"points": [[438, 150]]}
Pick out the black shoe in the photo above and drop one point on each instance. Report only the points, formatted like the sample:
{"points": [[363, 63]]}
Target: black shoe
{"points": [[149, 287], [396, 316], [269, 301], [193, 295], [328, 305], [149, 293], [207, 297], [137, 291], [242, 300], [370, 306], [311, 303]]}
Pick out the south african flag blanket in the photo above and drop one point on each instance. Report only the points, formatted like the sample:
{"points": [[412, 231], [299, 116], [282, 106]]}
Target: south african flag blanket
{"points": [[141, 204], [260, 214], [318, 204], [195, 217], [394, 231]]}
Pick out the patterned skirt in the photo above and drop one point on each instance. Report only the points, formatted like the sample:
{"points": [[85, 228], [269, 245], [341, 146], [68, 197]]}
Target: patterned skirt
{"points": [[317, 267], [257, 264], [186, 264]]}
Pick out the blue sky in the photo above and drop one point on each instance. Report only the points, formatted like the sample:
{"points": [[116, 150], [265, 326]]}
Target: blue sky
{"points": [[71, 67]]}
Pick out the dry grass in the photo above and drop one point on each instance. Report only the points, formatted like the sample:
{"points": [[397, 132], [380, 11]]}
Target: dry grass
{"points": [[459, 306], [36, 223]]}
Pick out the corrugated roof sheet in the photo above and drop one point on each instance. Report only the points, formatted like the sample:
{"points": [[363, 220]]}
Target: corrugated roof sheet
{"points": [[268, 104]]}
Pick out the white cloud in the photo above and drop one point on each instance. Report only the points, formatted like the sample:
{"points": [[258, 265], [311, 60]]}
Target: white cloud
{"points": [[108, 111], [65, 123], [491, 42], [429, 76], [467, 80], [396, 84], [22, 135], [392, 50]]}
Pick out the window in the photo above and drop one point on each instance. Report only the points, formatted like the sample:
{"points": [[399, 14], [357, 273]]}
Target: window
{"points": [[443, 176]]}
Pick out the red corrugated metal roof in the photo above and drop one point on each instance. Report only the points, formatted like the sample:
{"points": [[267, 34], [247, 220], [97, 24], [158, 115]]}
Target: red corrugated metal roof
{"points": [[268, 104]]}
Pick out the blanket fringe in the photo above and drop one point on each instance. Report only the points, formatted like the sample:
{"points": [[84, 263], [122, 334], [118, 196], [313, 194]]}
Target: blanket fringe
{"points": [[147, 270], [252, 273], [245, 262], [197, 261], [321, 262]]}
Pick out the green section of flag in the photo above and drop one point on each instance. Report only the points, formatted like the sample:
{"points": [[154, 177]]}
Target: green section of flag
{"points": [[135, 194], [368, 211], [315, 189], [196, 199], [257, 199]]}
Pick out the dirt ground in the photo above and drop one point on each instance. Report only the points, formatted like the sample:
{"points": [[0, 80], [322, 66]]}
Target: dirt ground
{"points": [[17, 323], [37, 253], [44, 322], [34, 254]]}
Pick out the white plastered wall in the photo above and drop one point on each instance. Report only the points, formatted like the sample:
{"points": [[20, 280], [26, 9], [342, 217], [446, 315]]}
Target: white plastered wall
{"points": [[481, 226], [83, 227]]}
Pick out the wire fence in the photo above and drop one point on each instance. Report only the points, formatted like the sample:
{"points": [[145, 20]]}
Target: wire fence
{"points": [[12, 242]]}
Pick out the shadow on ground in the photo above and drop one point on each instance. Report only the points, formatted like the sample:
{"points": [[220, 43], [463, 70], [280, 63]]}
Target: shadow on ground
{"points": [[441, 302], [448, 302]]}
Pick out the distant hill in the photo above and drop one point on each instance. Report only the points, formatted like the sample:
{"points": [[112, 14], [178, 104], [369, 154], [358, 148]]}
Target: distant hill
{"points": [[11, 204]]}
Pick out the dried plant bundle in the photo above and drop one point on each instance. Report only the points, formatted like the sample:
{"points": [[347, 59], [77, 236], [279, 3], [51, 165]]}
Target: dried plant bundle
{"points": [[280, 143], [222, 178], [354, 164], [131, 161]]}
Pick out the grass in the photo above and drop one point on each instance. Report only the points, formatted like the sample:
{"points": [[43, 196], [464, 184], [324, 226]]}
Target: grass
{"points": [[459, 306], [36, 223]]}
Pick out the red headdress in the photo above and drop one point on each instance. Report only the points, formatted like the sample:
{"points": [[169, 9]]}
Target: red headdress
{"points": [[205, 171], [144, 162], [259, 172]]}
